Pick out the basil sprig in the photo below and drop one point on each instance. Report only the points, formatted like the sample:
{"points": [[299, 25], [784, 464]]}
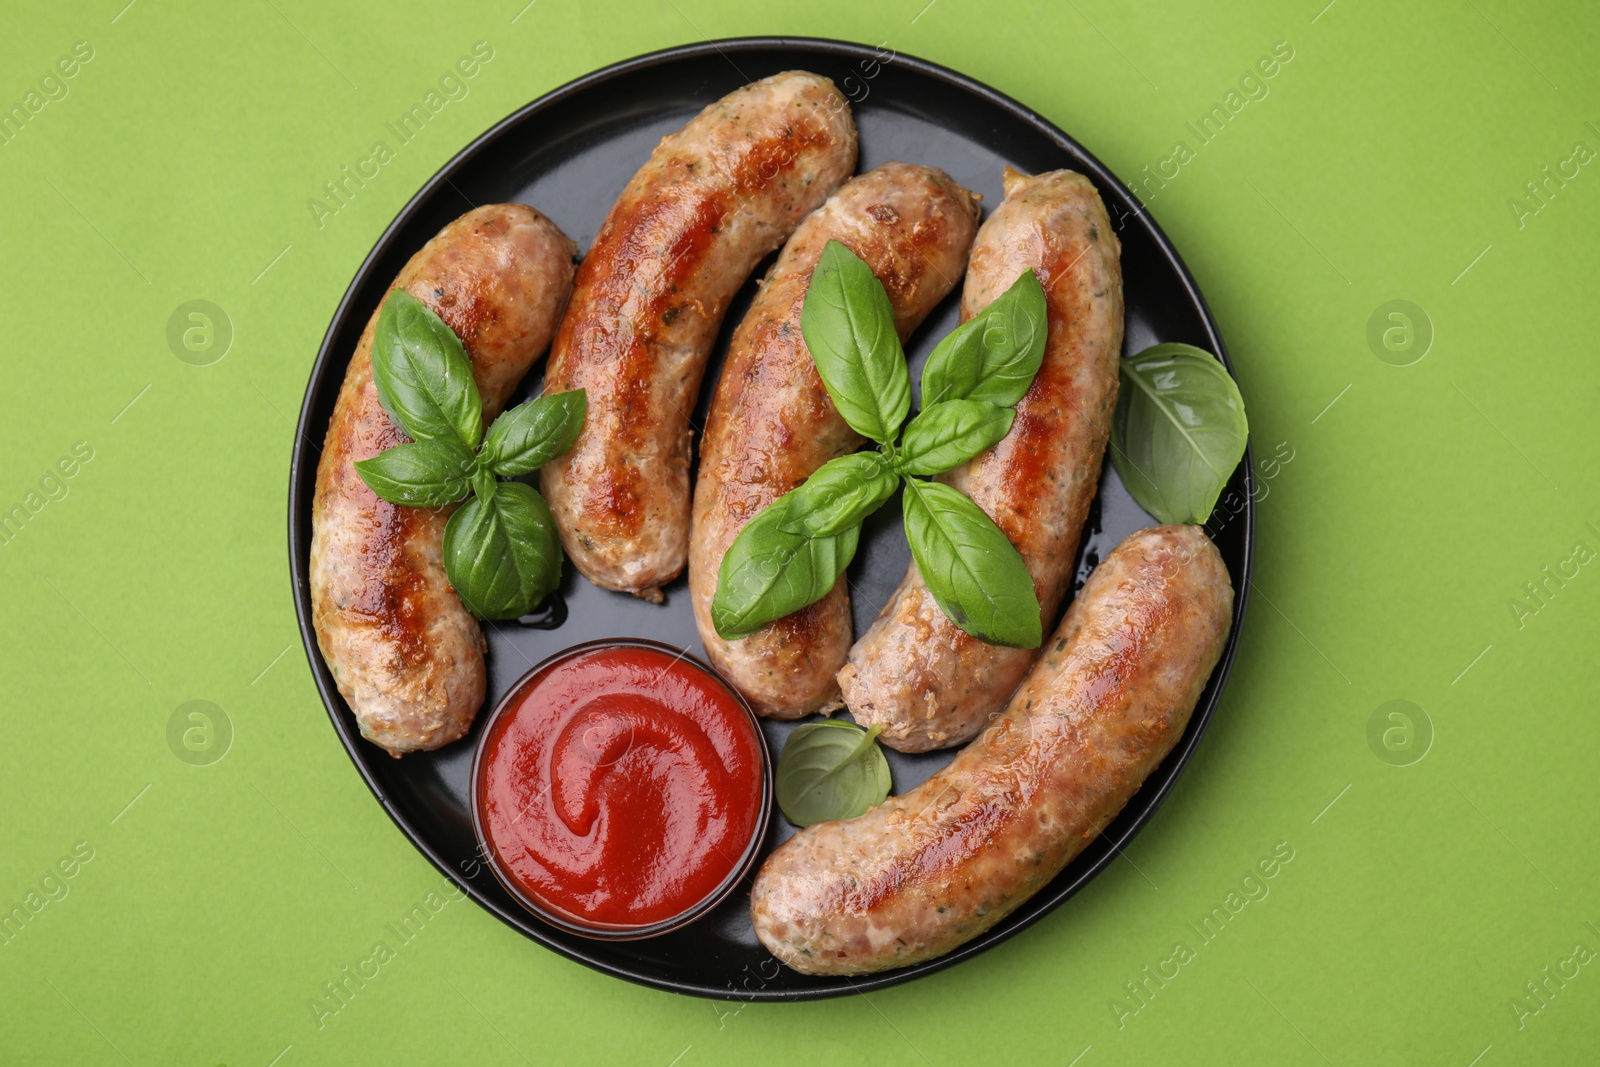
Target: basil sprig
{"points": [[793, 552], [1178, 432], [501, 552], [830, 769]]}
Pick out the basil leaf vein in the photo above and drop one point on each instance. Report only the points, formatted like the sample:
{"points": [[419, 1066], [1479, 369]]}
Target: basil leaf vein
{"points": [[951, 432], [1178, 432], [423, 375], [419, 474], [532, 434], [830, 770], [501, 552], [975, 573], [841, 493], [994, 356], [769, 571], [849, 327]]}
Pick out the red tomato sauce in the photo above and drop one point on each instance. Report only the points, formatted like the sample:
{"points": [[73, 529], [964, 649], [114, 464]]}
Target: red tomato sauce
{"points": [[621, 785]]}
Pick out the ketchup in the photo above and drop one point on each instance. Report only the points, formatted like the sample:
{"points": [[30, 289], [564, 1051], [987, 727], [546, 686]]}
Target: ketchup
{"points": [[621, 785]]}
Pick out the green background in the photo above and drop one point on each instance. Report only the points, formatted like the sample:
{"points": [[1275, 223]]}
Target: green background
{"points": [[1420, 499]]}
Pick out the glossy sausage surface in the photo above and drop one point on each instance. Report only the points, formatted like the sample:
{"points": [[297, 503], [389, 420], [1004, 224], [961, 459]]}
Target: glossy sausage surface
{"points": [[925, 872], [407, 657], [688, 229], [772, 424], [915, 672]]}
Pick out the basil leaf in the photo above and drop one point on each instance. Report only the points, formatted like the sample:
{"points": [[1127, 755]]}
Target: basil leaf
{"points": [[994, 355], [501, 553], [849, 328], [973, 571], [1178, 432], [841, 493], [532, 434], [483, 480], [830, 770], [423, 375], [951, 432], [770, 572], [419, 474]]}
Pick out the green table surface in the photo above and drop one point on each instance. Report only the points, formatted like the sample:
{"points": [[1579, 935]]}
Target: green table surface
{"points": [[1430, 537]]}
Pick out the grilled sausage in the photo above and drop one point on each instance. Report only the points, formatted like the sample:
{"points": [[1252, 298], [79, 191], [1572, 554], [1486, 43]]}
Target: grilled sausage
{"points": [[925, 872], [915, 672], [772, 423], [407, 656], [687, 231]]}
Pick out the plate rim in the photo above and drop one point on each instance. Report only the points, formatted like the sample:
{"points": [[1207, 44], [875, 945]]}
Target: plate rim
{"points": [[299, 545]]}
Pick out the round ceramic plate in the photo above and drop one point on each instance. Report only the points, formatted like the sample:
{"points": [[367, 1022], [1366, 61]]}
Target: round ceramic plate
{"points": [[569, 155]]}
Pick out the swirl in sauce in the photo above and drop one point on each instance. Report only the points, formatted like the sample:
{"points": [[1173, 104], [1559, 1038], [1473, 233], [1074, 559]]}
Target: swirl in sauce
{"points": [[620, 786]]}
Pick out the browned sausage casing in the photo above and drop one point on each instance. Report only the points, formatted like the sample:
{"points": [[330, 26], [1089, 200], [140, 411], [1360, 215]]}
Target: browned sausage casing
{"points": [[685, 234], [915, 672], [772, 423], [922, 873], [407, 656]]}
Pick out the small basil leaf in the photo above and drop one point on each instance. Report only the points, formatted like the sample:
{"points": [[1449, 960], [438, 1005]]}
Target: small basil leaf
{"points": [[1178, 432], [501, 552], [951, 432], [841, 493], [483, 482], [830, 770], [974, 572], [849, 328], [419, 474], [532, 434], [770, 572], [423, 375], [994, 355]]}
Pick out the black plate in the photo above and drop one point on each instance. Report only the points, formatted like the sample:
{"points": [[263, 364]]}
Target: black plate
{"points": [[569, 155]]}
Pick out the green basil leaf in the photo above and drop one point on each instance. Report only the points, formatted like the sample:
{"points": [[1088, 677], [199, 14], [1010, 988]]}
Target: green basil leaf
{"points": [[974, 572], [483, 480], [419, 474], [830, 770], [1178, 432], [770, 572], [501, 553], [994, 355], [532, 434], [951, 432], [841, 493], [423, 375], [849, 328]]}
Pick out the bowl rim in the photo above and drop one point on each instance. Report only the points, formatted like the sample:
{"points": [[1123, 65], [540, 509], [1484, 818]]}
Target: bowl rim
{"points": [[618, 931]]}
